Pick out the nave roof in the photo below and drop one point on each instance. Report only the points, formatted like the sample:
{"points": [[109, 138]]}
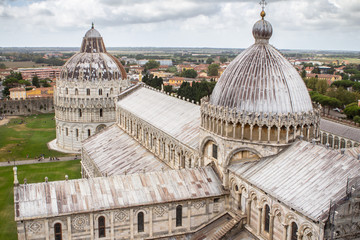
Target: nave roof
{"points": [[305, 177], [47, 199], [178, 118]]}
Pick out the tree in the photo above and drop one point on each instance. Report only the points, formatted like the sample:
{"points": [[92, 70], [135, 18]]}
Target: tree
{"points": [[316, 70], [2, 66], [151, 64], [190, 73], [209, 60], [223, 59], [152, 81], [46, 84], [303, 74], [213, 69], [311, 83], [352, 110], [321, 86], [168, 88], [35, 81], [171, 69]]}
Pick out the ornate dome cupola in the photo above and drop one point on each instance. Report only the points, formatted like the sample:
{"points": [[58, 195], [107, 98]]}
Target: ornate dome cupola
{"points": [[86, 91], [260, 101]]}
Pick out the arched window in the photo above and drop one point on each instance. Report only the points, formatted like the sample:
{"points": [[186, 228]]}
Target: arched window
{"points": [[101, 222], [89, 132], [57, 231], [67, 131], [267, 218], [100, 91], [101, 112], [80, 113], [215, 151], [76, 91], [67, 91], [179, 216], [111, 91], [88, 91], [294, 231], [140, 222], [77, 132]]}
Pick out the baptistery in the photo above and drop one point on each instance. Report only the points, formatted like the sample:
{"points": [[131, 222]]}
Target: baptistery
{"points": [[86, 91], [259, 103]]}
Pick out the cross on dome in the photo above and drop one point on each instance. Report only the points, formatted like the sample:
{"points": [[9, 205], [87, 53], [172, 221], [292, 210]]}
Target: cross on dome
{"points": [[263, 4]]}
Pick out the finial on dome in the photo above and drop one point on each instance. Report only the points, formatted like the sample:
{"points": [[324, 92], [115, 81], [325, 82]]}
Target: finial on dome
{"points": [[263, 4], [92, 25]]}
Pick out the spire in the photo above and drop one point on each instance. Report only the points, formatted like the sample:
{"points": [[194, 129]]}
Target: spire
{"points": [[263, 4], [92, 25]]}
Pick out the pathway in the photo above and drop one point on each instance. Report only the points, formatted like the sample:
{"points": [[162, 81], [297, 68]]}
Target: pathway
{"points": [[34, 161]]}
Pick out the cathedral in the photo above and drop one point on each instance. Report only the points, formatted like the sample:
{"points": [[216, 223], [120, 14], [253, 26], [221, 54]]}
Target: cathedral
{"points": [[246, 162]]}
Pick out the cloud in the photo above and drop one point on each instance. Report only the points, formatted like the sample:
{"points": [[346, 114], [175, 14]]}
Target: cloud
{"points": [[203, 20]]}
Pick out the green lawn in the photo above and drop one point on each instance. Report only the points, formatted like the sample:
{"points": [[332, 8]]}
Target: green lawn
{"points": [[27, 136], [33, 173]]}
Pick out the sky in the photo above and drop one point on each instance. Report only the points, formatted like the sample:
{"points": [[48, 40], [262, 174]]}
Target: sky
{"points": [[297, 24]]}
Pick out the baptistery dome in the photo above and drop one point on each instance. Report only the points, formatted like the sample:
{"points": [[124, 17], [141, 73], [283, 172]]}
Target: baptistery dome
{"points": [[93, 63], [86, 92], [262, 80]]}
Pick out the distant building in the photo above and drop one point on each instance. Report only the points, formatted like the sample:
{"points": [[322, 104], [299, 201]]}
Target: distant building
{"points": [[167, 62], [17, 93], [328, 77], [41, 73], [40, 92]]}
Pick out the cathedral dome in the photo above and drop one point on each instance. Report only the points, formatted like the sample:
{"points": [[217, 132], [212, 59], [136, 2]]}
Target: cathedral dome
{"points": [[262, 80], [93, 62]]}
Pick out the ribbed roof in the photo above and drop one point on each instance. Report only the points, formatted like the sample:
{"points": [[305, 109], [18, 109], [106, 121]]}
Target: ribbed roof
{"points": [[93, 62], [260, 79]]}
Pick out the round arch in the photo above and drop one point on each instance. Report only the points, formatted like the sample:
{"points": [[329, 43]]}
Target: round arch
{"points": [[234, 152], [100, 127]]}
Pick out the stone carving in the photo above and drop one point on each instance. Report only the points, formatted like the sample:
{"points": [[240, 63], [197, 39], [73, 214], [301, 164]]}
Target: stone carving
{"points": [[160, 210], [121, 216], [80, 222], [34, 227], [199, 204]]}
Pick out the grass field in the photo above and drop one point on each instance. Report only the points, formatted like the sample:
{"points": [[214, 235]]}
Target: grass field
{"points": [[33, 173], [27, 64], [329, 60], [27, 136]]}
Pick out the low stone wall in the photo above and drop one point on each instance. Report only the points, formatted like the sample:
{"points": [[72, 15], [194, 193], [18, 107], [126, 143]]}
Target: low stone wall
{"points": [[27, 106]]}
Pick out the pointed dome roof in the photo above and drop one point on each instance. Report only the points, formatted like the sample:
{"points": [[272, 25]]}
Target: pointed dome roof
{"points": [[93, 63], [262, 80]]}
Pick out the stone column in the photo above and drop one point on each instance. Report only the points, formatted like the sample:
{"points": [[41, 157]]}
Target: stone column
{"points": [[269, 133], [259, 220], [91, 226], [226, 129], [131, 224], [234, 130], [189, 216], [242, 131], [69, 227], [112, 235], [151, 221], [47, 227], [285, 231], [271, 226], [251, 132], [287, 134], [260, 133], [278, 134], [170, 220], [248, 210]]}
